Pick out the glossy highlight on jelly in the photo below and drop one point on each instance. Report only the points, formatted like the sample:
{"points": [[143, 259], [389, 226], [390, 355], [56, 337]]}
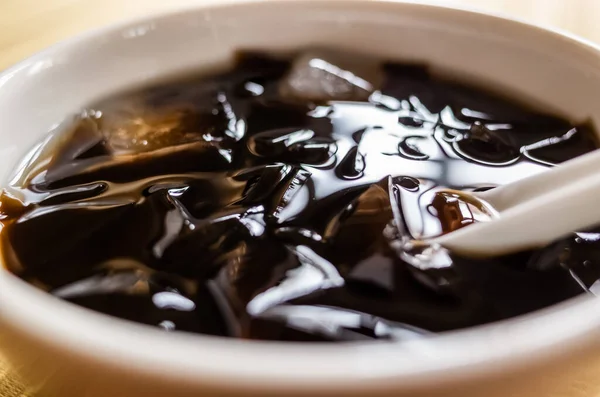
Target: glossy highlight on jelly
{"points": [[291, 199]]}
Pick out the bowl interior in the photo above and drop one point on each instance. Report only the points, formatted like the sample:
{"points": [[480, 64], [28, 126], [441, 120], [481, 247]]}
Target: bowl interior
{"points": [[537, 66]]}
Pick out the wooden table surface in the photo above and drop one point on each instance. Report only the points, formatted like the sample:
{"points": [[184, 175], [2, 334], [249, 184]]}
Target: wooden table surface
{"points": [[27, 26]]}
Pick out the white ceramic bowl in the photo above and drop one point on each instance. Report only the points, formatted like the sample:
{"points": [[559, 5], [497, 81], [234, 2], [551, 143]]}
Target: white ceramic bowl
{"points": [[66, 350]]}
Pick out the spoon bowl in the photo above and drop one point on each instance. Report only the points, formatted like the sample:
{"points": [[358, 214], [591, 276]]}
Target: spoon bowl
{"points": [[533, 211]]}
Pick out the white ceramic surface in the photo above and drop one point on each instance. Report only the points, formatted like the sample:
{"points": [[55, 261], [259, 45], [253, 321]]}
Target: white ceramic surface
{"points": [[65, 350], [566, 194]]}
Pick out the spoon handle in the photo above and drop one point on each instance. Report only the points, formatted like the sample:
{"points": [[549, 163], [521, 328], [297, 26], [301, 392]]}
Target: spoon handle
{"points": [[547, 182]]}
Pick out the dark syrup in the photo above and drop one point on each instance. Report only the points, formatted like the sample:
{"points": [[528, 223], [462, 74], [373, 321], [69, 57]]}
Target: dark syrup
{"points": [[226, 206]]}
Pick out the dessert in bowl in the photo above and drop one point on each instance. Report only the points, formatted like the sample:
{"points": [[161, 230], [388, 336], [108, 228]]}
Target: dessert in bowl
{"points": [[248, 170]]}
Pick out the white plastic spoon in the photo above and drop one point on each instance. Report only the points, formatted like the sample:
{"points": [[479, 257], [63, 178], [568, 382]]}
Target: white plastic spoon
{"points": [[534, 211]]}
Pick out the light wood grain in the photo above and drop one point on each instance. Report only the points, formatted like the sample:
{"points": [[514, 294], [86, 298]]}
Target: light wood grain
{"points": [[27, 26]]}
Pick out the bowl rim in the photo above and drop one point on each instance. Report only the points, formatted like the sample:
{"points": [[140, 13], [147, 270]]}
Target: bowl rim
{"points": [[507, 346]]}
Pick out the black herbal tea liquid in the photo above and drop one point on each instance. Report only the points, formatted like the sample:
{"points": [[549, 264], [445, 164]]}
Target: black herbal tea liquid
{"points": [[275, 201]]}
